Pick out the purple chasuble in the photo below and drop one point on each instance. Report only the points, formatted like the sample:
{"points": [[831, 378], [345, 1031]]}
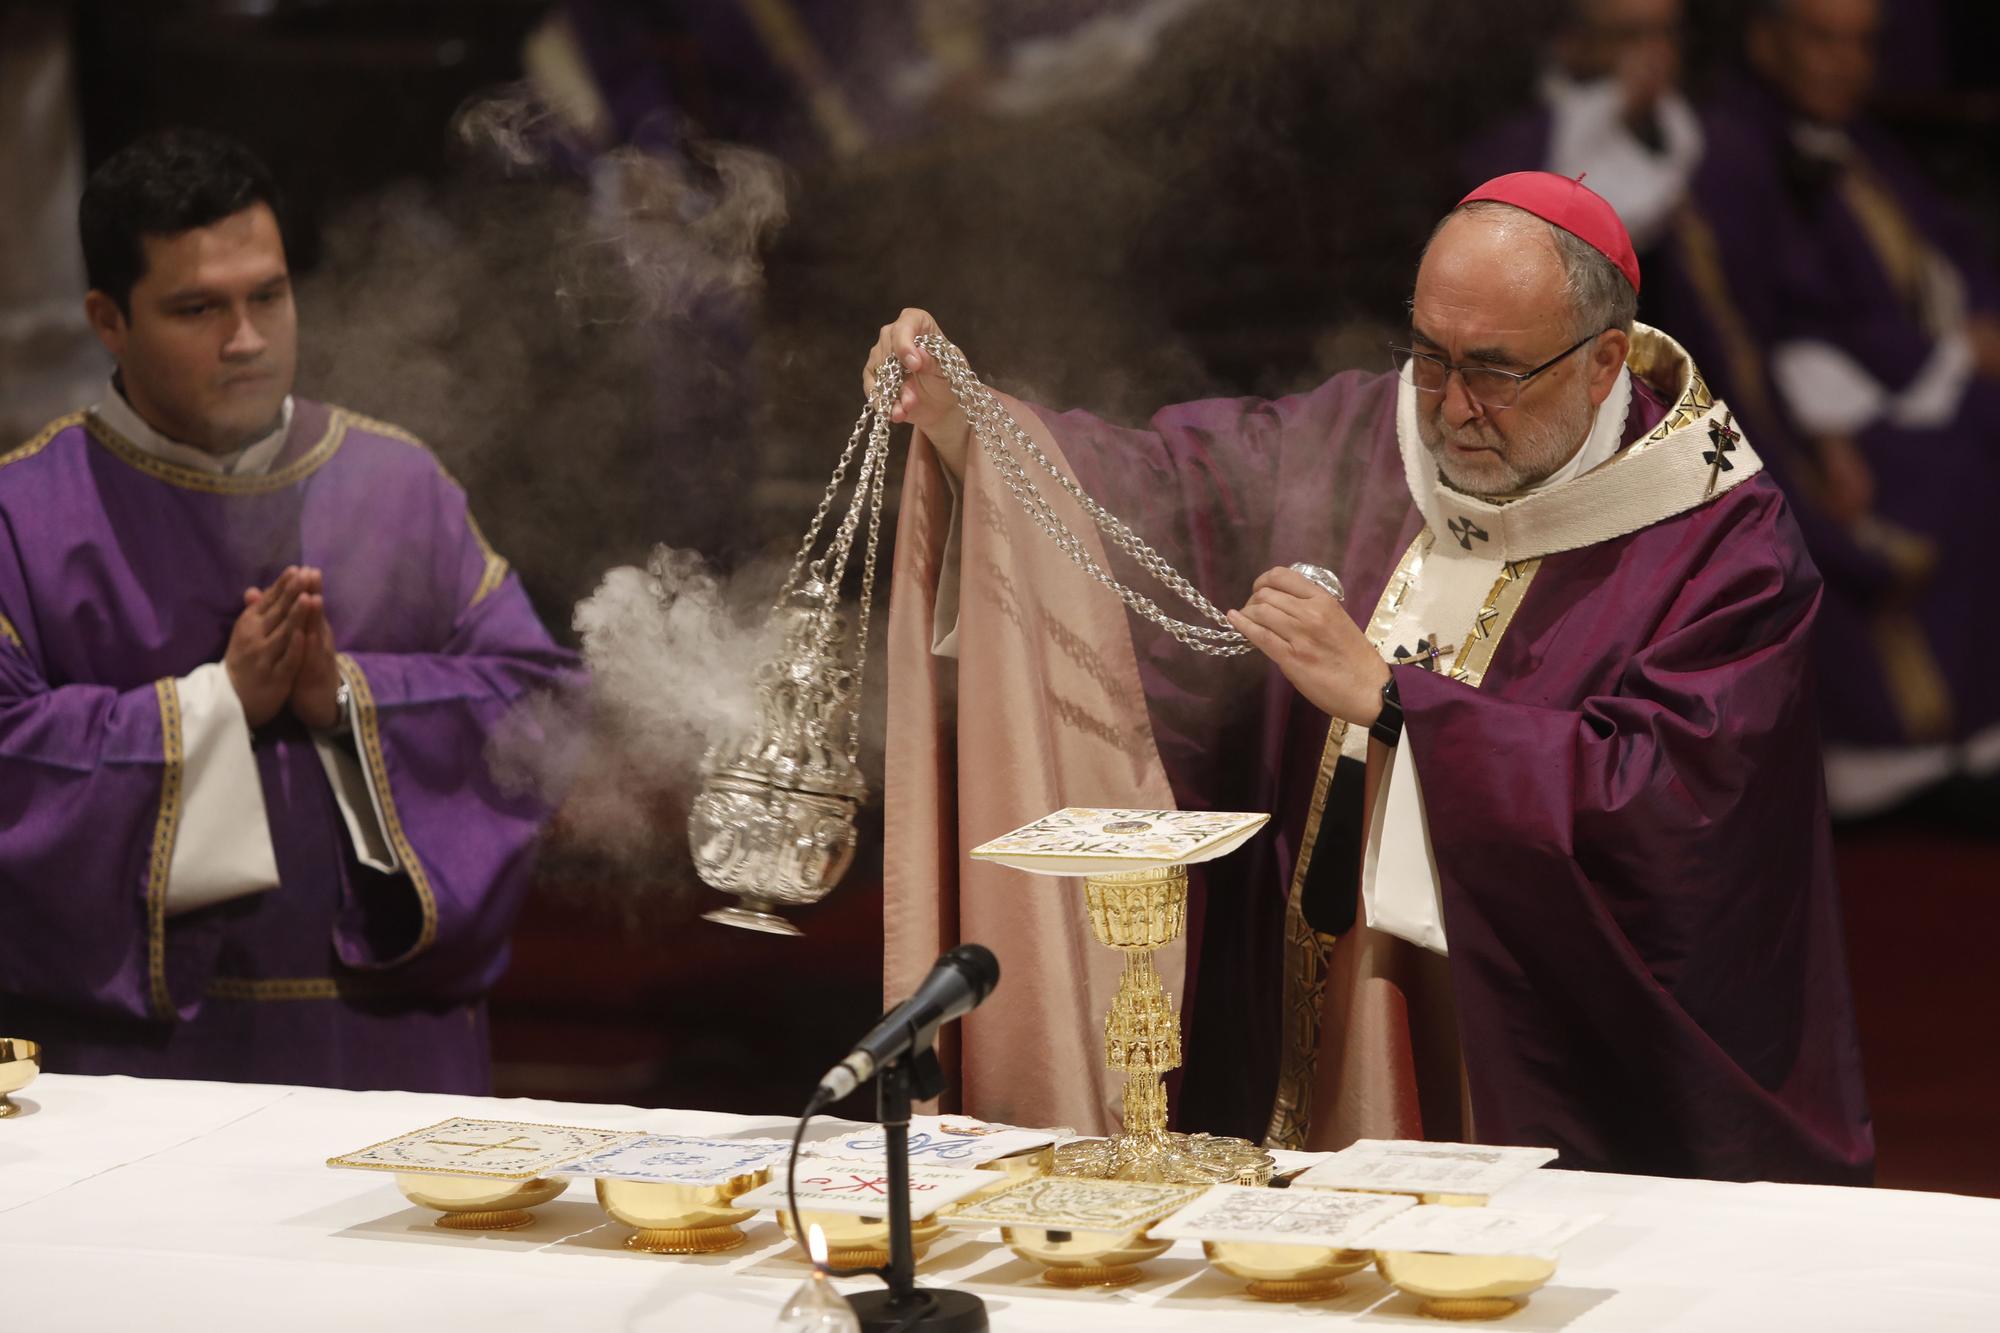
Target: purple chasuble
{"points": [[1628, 816], [119, 573]]}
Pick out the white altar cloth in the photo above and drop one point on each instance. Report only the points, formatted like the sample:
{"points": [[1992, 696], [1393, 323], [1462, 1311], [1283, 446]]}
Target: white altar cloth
{"points": [[206, 1207]]}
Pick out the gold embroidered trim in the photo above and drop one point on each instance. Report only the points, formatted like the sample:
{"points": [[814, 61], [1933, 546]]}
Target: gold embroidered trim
{"points": [[190, 479], [1492, 620], [496, 564], [165, 830], [368, 733], [42, 438], [282, 990], [11, 635], [1308, 953]]}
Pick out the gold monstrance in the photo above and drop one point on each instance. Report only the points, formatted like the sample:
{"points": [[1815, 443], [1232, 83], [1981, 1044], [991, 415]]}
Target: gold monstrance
{"points": [[1134, 864]]}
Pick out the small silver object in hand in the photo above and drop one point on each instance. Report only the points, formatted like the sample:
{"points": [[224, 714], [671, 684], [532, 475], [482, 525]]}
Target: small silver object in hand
{"points": [[1325, 578]]}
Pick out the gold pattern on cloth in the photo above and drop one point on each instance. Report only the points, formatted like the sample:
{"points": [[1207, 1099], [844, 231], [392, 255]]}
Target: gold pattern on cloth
{"points": [[496, 564], [42, 438], [368, 733], [1703, 256], [1492, 620], [215, 483], [11, 635], [1916, 685], [496, 567], [1904, 253], [165, 829]]}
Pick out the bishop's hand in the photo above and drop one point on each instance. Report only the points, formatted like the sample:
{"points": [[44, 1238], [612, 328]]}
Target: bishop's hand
{"points": [[315, 696], [927, 401], [1324, 654], [266, 647]]}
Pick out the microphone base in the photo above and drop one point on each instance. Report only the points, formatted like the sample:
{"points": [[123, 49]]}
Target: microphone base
{"points": [[925, 1310]]}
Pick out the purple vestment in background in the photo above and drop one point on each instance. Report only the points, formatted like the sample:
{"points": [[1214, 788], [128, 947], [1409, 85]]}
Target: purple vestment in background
{"points": [[118, 573], [1770, 250], [1628, 817]]}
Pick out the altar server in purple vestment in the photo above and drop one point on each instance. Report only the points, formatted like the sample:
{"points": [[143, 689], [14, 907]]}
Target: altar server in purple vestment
{"points": [[251, 649], [1549, 861], [1853, 316]]}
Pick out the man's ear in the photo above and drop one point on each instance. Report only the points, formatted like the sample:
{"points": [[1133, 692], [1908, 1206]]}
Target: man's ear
{"points": [[1607, 358], [107, 321]]}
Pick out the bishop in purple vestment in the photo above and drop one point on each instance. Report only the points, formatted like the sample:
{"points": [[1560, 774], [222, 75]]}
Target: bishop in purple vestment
{"points": [[1549, 861], [251, 648]]}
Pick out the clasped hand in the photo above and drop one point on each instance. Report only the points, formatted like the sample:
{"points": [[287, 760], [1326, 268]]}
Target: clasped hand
{"points": [[1323, 653], [281, 654]]}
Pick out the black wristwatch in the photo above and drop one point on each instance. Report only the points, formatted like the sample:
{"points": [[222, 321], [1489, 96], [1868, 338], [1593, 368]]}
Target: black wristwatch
{"points": [[1388, 724]]}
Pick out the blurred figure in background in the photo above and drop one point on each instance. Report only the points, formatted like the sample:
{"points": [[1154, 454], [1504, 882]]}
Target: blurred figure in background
{"points": [[1849, 313], [251, 649], [1610, 108]]}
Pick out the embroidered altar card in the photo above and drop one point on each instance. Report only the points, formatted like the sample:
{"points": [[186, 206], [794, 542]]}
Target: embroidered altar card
{"points": [[499, 1149], [1070, 1203], [1266, 1216], [1404, 1166], [940, 1140], [673, 1159], [857, 1185], [1088, 841], [1441, 1229]]}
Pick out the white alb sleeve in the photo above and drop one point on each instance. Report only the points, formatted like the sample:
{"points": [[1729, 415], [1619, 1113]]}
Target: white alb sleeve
{"points": [[222, 849]]}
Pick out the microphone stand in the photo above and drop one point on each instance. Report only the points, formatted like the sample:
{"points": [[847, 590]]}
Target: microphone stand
{"points": [[905, 1307]]}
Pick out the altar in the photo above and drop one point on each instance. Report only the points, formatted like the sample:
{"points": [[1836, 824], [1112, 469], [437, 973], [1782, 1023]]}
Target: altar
{"points": [[132, 1203]]}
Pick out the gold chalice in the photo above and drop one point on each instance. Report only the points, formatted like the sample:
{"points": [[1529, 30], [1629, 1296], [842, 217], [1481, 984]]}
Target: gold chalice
{"points": [[1135, 868], [1083, 1232], [1466, 1286], [478, 1203], [1086, 1258], [855, 1240], [680, 1219], [20, 1061], [1288, 1272]]}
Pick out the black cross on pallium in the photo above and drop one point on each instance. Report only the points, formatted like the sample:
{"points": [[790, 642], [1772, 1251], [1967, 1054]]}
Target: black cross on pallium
{"points": [[1428, 652], [1465, 530], [1724, 437]]}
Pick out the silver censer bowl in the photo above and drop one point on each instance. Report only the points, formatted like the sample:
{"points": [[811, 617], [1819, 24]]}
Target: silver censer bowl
{"points": [[773, 823]]}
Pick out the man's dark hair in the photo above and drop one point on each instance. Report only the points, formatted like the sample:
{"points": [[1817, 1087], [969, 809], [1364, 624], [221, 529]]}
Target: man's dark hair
{"points": [[164, 184]]}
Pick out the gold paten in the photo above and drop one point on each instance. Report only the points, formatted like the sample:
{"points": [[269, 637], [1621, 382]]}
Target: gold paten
{"points": [[857, 1241], [1138, 912], [1288, 1272], [1466, 1286], [478, 1203], [680, 1219], [20, 1062]]}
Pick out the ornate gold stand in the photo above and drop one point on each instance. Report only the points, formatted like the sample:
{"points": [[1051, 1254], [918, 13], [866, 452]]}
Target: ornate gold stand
{"points": [[1137, 912], [685, 1240], [1469, 1307], [498, 1219]]}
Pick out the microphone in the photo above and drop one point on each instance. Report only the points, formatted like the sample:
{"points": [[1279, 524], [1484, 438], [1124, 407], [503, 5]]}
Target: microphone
{"points": [[958, 982]]}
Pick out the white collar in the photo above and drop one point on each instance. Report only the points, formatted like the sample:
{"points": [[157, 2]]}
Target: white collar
{"points": [[1671, 470], [252, 460]]}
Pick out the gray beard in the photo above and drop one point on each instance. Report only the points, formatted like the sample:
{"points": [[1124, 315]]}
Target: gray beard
{"points": [[1534, 455]]}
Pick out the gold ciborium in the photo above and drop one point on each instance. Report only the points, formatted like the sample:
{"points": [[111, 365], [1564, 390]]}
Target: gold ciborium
{"points": [[20, 1062], [855, 1240], [478, 1203], [1466, 1286], [1287, 1272], [1134, 864], [1083, 1233], [1288, 1244], [680, 1219]]}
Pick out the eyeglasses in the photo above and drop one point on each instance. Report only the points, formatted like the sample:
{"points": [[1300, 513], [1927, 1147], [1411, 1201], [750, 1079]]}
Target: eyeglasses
{"points": [[1486, 386]]}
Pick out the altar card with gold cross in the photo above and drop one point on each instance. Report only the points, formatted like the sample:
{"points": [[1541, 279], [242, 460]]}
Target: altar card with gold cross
{"points": [[1441, 1229], [675, 1159], [496, 1149], [1087, 841], [859, 1185], [1264, 1216], [1074, 1203], [1402, 1166]]}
